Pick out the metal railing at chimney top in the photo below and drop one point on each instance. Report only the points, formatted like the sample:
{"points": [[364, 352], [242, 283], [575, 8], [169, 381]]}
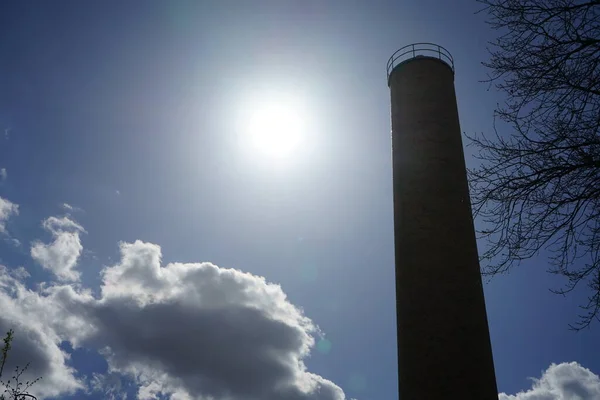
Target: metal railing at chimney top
{"points": [[419, 49]]}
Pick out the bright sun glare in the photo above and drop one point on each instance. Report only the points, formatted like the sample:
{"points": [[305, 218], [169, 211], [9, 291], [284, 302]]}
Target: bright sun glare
{"points": [[275, 130]]}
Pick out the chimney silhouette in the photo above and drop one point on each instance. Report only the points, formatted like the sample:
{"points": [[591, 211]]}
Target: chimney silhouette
{"points": [[444, 349]]}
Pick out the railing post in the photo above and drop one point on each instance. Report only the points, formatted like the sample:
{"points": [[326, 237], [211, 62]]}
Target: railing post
{"points": [[413, 46]]}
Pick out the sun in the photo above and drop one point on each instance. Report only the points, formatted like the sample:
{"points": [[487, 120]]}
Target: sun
{"points": [[275, 130]]}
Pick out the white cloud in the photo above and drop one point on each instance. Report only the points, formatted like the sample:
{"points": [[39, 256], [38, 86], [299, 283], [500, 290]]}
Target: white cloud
{"points": [[565, 381], [36, 341], [53, 224], [197, 330], [110, 385], [62, 254], [13, 241], [7, 209], [184, 331], [70, 208], [19, 273], [3, 174]]}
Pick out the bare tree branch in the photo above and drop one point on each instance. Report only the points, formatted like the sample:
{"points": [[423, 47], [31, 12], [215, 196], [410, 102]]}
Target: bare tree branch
{"points": [[18, 390], [538, 188]]}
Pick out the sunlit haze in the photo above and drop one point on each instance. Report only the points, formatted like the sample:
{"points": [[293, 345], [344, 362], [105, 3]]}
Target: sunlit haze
{"points": [[274, 128], [275, 131]]}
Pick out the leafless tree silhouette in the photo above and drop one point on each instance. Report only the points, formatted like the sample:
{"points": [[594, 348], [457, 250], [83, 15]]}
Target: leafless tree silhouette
{"points": [[538, 187], [17, 390]]}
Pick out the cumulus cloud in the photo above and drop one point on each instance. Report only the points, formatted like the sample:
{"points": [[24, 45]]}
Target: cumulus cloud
{"points": [[7, 210], [185, 331], [61, 255], [200, 331], [565, 381], [3, 174], [32, 316]]}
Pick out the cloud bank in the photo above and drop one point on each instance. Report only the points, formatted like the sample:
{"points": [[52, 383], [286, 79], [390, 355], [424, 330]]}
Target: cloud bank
{"points": [[184, 331], [565, 381]]}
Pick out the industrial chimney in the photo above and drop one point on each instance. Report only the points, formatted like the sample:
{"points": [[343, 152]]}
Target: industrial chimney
{"points": [[444, 349]]}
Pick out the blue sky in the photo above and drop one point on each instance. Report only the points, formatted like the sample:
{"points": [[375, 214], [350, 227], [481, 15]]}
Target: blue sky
{"points": [[132, 113]]}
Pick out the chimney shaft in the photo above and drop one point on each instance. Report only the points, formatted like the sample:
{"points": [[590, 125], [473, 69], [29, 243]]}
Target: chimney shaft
{"points": [[444, 349]]}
